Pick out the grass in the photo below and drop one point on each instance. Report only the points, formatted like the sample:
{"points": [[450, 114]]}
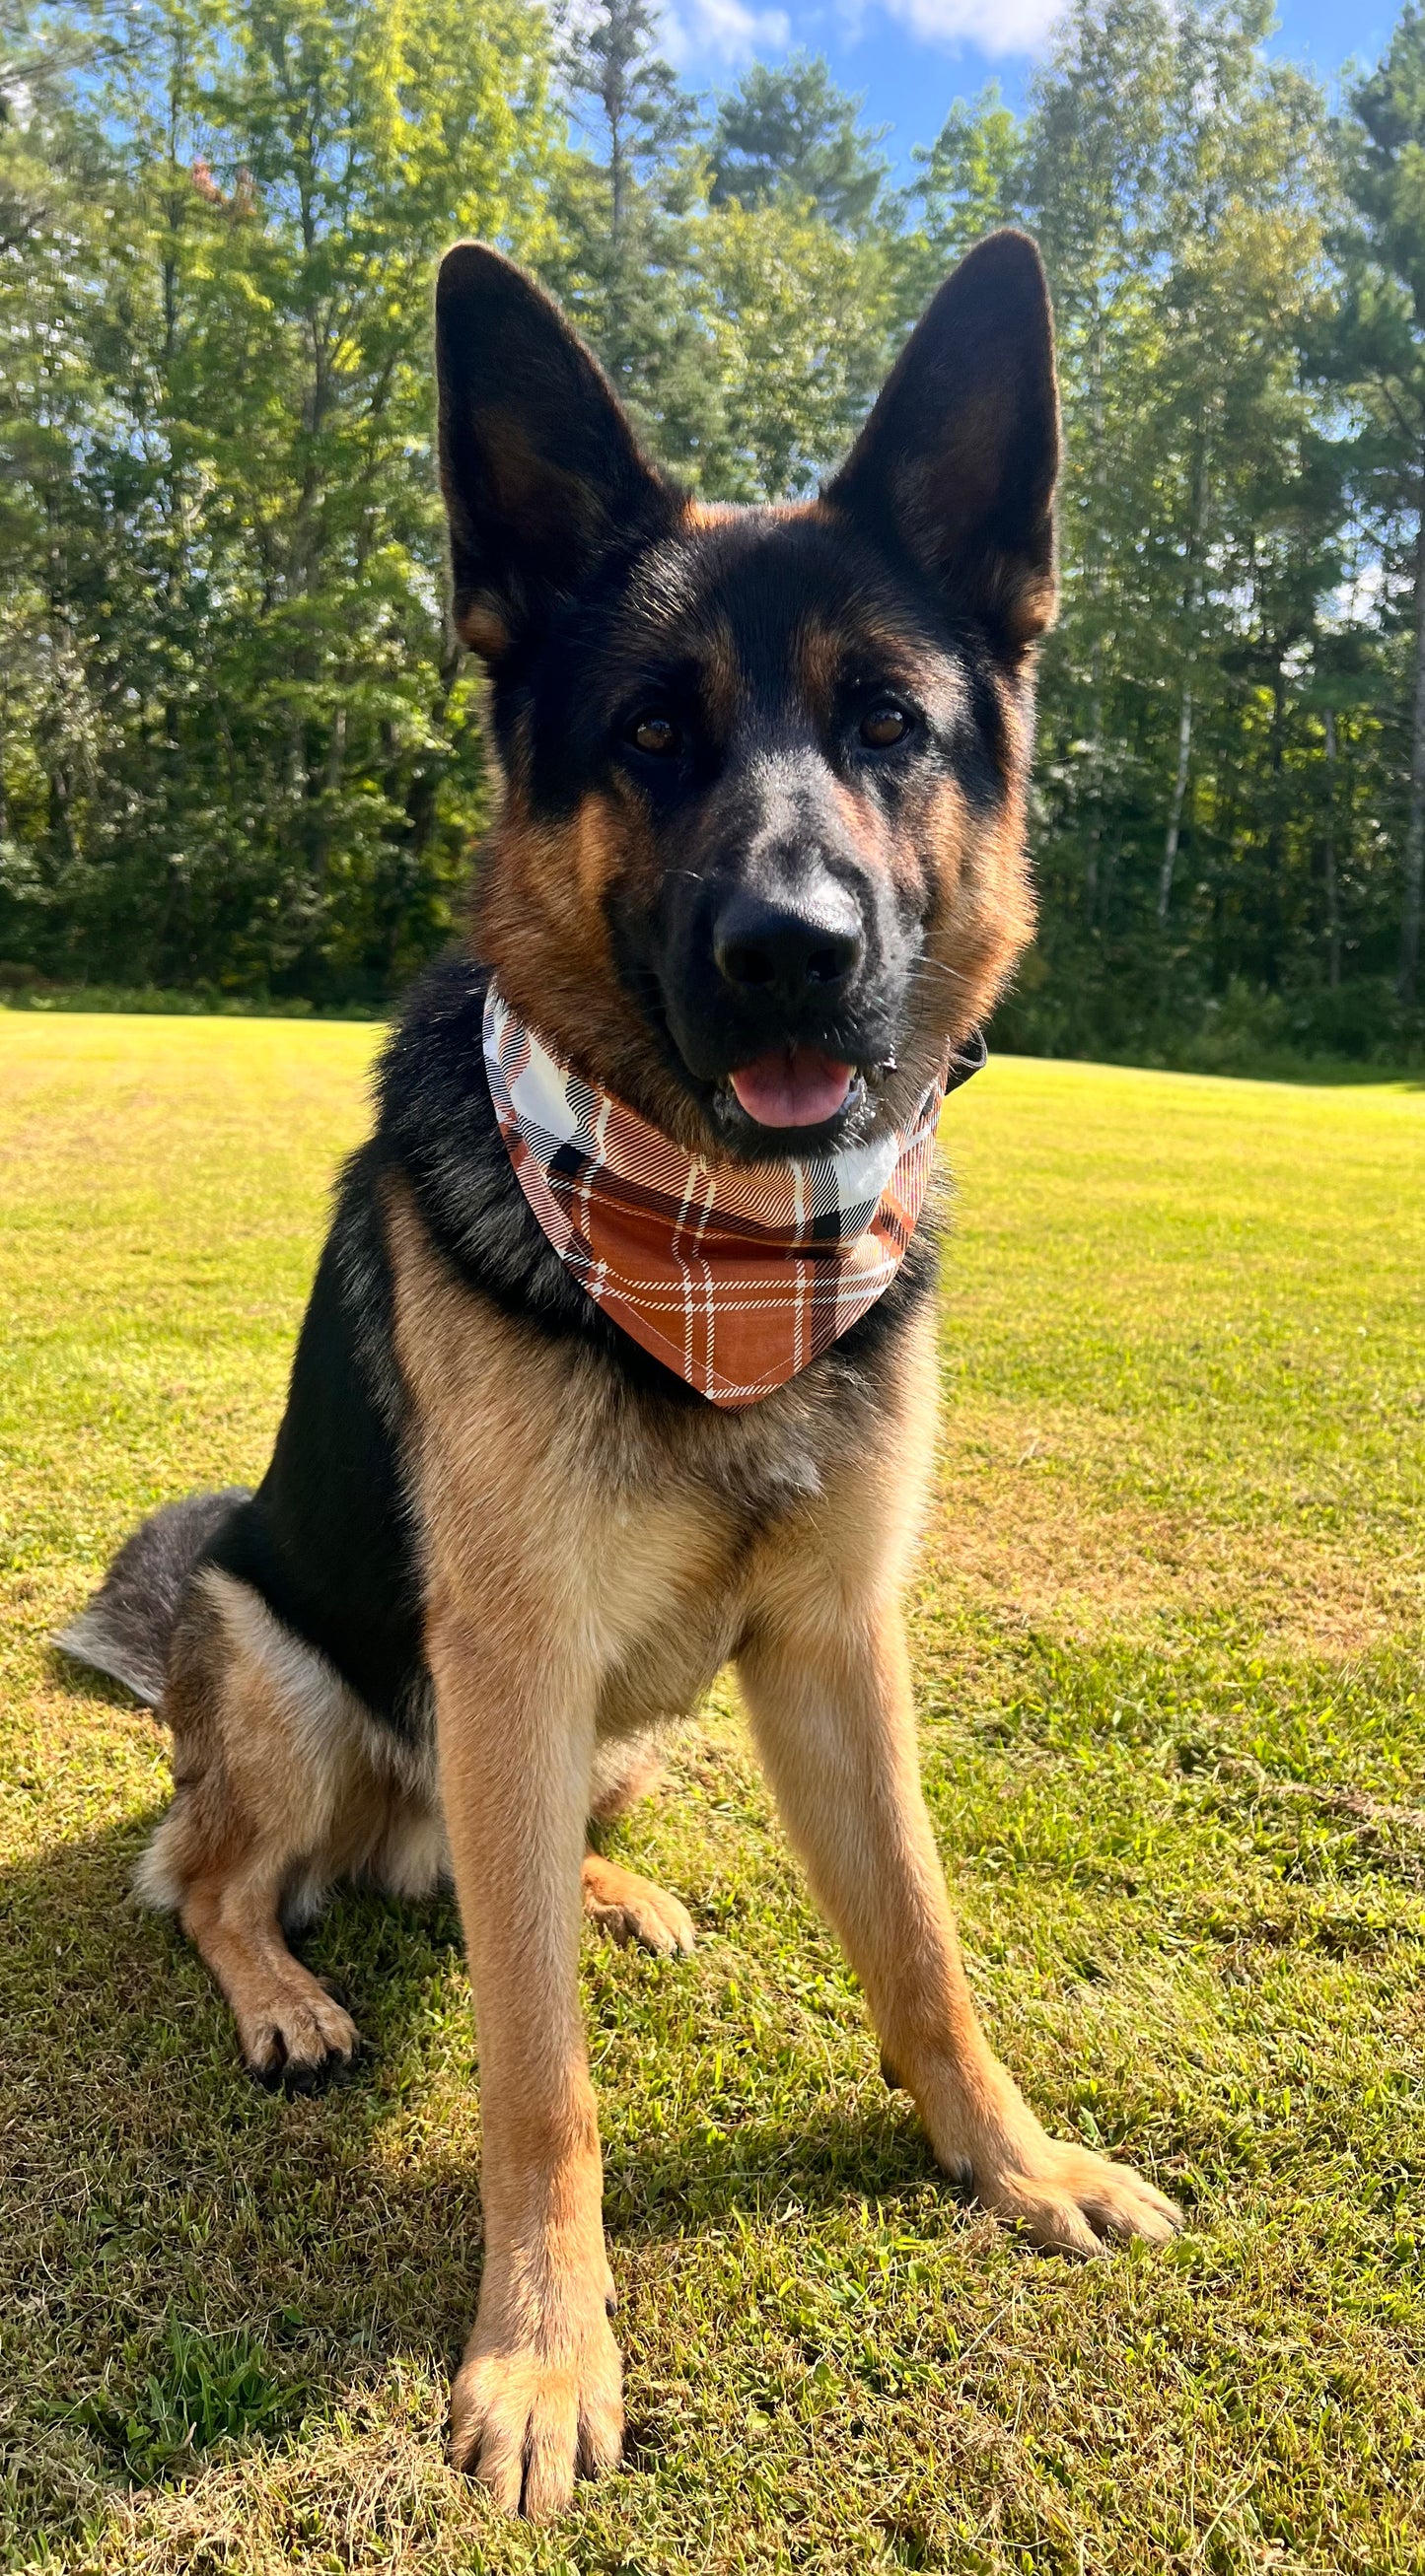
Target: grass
{"points": [[1169, 1647], [21, 992]]}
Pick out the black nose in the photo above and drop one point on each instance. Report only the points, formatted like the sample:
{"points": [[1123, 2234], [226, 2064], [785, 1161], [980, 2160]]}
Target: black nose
{"points": [[789, 952]]}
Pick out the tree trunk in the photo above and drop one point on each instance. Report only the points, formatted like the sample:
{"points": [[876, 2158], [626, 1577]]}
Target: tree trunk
{"points": [[1093, 894], [1272, 908], [1175, 810], [1333, 889], [330, 790], [615, 103], [1415, 825], [1094, 881], [1197, 526]]}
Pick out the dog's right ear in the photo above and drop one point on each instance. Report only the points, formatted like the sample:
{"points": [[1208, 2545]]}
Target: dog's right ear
{"points": [[541, 471]]}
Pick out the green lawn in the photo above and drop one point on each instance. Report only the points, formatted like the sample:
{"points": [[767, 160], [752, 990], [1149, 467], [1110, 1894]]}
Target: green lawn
{"points": [[1169, 1645]]}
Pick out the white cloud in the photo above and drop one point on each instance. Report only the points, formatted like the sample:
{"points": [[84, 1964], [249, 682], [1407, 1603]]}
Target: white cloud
{"points": [[725, 31], [993, 26]]}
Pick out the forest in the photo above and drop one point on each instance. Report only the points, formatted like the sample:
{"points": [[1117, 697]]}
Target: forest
{"points": [[240, 750]]}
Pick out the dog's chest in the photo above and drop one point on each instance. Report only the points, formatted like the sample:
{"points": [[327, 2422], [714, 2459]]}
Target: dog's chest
{"points": [[665, 1590], [677, 1549]]}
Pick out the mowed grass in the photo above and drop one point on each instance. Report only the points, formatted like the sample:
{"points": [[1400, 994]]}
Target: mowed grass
{"points": [[1168, 1640]]}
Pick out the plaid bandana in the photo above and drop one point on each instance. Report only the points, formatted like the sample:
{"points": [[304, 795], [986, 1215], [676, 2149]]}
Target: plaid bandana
{"points": [[735, 1276]]}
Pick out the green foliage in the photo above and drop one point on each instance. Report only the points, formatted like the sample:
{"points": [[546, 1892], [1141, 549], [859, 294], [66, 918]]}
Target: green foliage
{"points": [[787, 131], [1378, 352], [972, 179], [790, 303], [239, 743], [239, 747], [624, 215]]}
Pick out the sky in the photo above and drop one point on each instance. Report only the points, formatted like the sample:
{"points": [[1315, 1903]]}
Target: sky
{"points": [[911, 58]]}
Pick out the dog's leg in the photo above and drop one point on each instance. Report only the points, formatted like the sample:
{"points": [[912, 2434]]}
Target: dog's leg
{"points": [[538, 2392], [292, 2029], [828, 1686], [268, 1791]]}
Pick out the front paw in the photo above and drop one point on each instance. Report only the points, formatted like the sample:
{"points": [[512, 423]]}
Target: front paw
{"points": [[1070, 2200], [526, 2417], [1062, 2197]]}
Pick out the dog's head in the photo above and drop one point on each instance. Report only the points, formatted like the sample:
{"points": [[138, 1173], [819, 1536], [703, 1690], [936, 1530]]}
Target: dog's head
{"points": [[760, 852]]}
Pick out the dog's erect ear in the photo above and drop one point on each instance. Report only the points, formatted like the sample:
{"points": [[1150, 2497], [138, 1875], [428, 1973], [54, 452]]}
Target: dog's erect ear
{"points": [[541, 471], [957, 463]]}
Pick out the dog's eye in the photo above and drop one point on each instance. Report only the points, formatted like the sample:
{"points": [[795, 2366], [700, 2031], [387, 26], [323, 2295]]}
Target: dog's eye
{"points": [[881, 726], [653, 733]]}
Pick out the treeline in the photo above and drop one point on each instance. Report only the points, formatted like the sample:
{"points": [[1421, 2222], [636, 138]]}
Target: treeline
{"points": [[238, 746]]}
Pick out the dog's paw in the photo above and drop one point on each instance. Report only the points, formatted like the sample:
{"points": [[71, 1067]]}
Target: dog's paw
{"points": [[630, 1908], [526, 2420], [297, 2036], [1070, 2200]]}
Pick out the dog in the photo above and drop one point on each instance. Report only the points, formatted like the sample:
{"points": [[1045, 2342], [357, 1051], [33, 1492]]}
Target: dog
{"points": [[618, 1365]]}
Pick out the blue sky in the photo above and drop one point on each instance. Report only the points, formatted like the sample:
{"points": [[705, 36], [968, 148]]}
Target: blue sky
{"points": [[910, 58]]}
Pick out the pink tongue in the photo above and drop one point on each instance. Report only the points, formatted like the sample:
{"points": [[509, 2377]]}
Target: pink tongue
{"points": [[792, 1087]]}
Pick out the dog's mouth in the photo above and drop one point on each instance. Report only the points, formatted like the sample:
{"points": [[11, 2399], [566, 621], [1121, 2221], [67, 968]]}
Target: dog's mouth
{"points": [[793, 1087]]}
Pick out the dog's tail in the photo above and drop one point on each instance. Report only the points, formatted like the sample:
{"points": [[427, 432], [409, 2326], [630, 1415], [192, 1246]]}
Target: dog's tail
{"points": [[125, 1629]]}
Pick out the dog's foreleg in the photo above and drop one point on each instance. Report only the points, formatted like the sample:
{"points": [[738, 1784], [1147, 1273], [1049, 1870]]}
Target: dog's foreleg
{"points": [[828, 1687], [538, 2392]]}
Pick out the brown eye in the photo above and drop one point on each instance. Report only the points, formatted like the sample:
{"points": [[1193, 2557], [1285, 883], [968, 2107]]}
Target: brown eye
{"points": [[884, 726], [654, 734]]}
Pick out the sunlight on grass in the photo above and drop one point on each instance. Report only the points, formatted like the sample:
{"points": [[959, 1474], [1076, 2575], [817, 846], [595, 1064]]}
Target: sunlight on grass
{"points": [[1169, 1646]]}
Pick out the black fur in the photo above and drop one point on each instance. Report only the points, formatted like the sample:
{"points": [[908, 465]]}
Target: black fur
{"points": [[326, 1539], [955, 469], [517, 392]]}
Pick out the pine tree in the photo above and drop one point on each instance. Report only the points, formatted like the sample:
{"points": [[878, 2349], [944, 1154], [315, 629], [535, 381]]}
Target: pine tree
{"points": [[787, 132]]}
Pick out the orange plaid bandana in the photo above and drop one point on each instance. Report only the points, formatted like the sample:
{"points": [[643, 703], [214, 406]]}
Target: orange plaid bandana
{"points": [[734, 1275]]}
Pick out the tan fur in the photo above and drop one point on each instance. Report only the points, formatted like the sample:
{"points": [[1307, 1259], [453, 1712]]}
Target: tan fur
{"points": [[285, 1786], [581, 1582], [630, 1908], [272, 1803]]}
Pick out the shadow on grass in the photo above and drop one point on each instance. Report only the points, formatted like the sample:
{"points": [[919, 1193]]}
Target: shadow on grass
{"points": [[192, 2260]]}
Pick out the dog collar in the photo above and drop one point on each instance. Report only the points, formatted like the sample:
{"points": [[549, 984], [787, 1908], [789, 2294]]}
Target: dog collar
{"points": [[736, 1276]]}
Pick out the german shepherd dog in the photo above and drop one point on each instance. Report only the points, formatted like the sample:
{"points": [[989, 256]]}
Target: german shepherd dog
{"points": [[763, 780]]}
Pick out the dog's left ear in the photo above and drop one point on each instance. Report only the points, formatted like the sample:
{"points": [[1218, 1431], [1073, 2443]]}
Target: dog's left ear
{"points": [[542, 474], [957, 464]]}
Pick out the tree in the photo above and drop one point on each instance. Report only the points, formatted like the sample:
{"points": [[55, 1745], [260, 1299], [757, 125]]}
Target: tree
{"points": [[800, 322], [259, 751], [972, 176], [788, 133], [1178, 182], [626, 262], [796, 259], [1380, 354], [237, 742]]}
